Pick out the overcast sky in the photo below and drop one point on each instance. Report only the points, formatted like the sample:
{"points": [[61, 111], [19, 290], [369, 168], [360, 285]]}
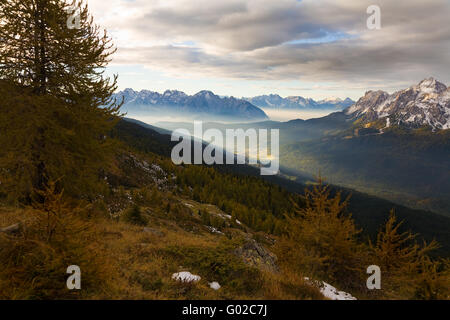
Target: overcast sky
{"points": [[312, 48]]}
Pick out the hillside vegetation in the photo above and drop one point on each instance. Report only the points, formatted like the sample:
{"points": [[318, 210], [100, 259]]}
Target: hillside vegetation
{"points": [[157, 219], [80, 187]]}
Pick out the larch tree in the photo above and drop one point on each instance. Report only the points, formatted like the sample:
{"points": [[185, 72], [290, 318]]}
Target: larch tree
{"points": [[56, 109], [322, 239], [406, 267]]}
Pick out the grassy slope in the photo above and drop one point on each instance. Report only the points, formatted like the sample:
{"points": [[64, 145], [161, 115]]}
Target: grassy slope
{"points": [[141, 264], [138, 264]]}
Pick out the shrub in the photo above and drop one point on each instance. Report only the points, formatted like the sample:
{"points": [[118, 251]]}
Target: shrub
{"points": [[134, 216], [33, 264]]}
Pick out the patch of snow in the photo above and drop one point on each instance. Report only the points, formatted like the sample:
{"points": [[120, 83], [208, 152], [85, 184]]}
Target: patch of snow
{"points": [[422, 105], [381, 107], [331, 292], [411, 118], [445, 97], [186, 277], [353, 109], [238, 222], [214, 285], [224, 216], [447, 113], [213, 230], [333, 100], [426, 90]]}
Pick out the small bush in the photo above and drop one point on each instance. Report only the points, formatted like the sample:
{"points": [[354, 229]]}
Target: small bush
{"points": [[134, 216], [33, 264]]}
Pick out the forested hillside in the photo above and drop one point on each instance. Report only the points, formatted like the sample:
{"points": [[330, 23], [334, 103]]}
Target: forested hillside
{"points": [[404, 166]]}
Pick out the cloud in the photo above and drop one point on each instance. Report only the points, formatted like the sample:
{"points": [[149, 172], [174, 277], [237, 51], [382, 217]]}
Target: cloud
{"points": [[309, 40]]}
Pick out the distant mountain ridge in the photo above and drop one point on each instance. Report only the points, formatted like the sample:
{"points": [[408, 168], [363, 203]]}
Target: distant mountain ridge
{"points": [[203, 105], [297, 102], [425, 104]]}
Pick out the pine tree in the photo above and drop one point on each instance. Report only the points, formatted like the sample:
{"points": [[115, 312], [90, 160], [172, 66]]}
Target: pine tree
{"points": [[56, 109], [323, 240], [407, 270]]}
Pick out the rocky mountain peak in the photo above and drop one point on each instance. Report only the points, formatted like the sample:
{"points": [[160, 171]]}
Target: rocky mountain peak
{"points": [[431, 85], [425, 104], [205, 94], [128, 92], [169, 93]]}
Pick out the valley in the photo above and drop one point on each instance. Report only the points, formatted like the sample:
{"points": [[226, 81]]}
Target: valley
{"points": [[368, 210], [404, 162]]}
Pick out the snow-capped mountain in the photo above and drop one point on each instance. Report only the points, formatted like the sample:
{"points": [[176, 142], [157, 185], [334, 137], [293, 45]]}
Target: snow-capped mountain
{"points": [[336, 102], [427, 103], [298, 102], [204, 103]]}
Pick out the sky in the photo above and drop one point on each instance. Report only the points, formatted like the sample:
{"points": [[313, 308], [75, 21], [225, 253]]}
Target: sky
{"points": [[312, 48]]}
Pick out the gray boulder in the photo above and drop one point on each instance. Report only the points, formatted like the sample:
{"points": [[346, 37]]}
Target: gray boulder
{"points": [[254, 254]]}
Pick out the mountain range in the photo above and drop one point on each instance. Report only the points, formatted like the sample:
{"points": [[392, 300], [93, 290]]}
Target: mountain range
{"points": [[274, 101], [205, 105]]}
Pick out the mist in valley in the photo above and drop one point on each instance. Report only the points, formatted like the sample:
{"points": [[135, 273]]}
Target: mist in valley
{"points": [[286, 115], [158, 118]]}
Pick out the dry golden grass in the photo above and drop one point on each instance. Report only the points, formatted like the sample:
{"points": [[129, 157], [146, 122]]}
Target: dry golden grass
{"points": [[132, 264], [10, 216]]}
